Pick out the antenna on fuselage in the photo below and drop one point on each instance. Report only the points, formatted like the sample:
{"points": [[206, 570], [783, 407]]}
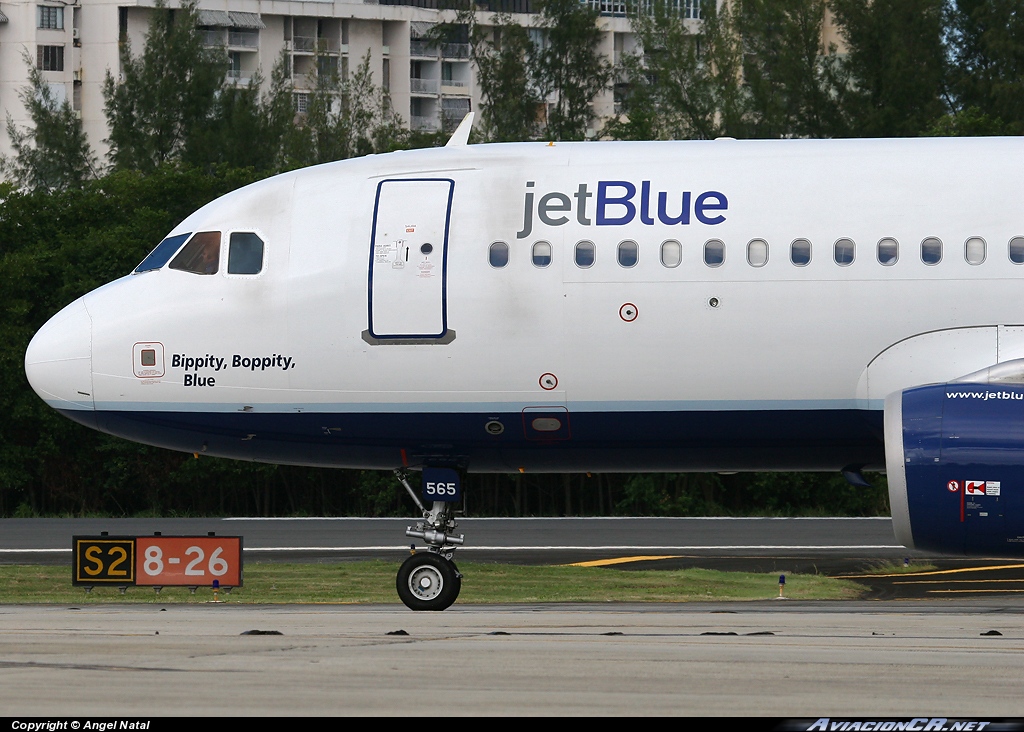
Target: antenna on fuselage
{"points": [[460, 138]]}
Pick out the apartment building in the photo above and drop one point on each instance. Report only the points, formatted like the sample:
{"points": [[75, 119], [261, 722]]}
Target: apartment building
{"points": [[76, 42]]}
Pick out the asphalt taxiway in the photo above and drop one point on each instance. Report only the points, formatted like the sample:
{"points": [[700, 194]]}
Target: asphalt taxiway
{"points": [[778, 659]]}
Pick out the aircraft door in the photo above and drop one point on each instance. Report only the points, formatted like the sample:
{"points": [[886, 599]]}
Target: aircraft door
{"points": [[408, 259]]}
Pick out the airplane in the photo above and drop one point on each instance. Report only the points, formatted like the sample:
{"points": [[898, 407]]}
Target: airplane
{"points": [[719, 305]]}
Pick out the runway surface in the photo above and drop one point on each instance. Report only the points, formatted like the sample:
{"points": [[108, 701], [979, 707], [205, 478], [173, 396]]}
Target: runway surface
{"points": [[779, 659]]}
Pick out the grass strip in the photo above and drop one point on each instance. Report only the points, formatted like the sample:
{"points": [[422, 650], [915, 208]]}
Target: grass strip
{"points": [[374, 582]]}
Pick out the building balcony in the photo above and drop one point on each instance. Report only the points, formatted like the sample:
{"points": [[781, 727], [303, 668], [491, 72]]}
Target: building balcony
{"points": [[422, 49], [422, 124], [306, 44], [455, 87], [455, 50], [212, 38], [241, 39], [423, 86]]}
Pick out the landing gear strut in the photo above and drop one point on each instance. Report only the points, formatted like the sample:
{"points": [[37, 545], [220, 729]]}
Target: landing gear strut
{"points": [[430, 580]]}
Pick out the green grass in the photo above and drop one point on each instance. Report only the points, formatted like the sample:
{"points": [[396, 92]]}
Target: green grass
{"points": [[374, 582]]}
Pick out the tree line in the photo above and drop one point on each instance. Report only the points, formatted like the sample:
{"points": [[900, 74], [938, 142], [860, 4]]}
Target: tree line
{"points": [[180, 137]]}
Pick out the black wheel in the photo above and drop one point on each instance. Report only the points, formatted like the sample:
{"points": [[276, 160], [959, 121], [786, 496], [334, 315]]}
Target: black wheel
{"points": [[428, 582]]}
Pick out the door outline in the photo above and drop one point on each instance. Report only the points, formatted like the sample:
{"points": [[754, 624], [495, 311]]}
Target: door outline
{"points": [[445, 335]]}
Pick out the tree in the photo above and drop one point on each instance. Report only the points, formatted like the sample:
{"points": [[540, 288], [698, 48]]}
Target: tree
{"points": [[344, 118], [684, 82], [501, 51], [509, 99], [53, 153], [246, 128], [986, 79], [167, 94], [569, 66], [895, 65], [789, 78]]}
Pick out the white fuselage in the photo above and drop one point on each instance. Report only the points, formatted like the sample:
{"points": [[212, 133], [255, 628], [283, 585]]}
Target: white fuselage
{"points": [[449, 333]]}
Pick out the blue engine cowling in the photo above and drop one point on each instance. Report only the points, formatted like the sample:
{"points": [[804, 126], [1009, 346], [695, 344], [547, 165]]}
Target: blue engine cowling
{"points": [[955, 464]]}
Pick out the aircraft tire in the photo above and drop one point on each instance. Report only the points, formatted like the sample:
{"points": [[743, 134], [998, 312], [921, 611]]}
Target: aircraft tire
{"points": [[427, 581]]}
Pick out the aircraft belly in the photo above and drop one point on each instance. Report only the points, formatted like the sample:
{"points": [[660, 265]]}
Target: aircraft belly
{"points": [[826, 439]]}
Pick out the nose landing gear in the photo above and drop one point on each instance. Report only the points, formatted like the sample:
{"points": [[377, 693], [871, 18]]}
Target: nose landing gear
{"points": [[430, 580]]}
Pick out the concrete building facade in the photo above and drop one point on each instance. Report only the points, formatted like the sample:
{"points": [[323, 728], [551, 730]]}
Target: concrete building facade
{"points": [[75, 43]]}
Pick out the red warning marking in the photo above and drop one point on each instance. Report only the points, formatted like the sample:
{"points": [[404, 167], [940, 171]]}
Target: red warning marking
{"points": [[953, 486]]}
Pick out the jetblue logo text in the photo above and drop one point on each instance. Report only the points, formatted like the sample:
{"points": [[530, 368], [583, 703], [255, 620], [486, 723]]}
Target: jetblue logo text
{"points": [[620, 202]]}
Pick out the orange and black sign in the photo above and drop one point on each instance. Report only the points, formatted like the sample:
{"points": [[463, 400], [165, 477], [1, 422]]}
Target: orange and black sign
{"points": [[103, 560], [158, 561]]}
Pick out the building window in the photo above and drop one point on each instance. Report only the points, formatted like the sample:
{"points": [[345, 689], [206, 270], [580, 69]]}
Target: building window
{"points": [[50, 58], [50, 18], [301, 101]]}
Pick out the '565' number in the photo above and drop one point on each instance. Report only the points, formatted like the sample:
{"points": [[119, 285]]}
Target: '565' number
{"points": [[441, 489]]}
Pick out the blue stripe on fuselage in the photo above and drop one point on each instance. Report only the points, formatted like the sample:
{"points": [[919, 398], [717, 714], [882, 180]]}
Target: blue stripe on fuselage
{"points": [[592, 441]]}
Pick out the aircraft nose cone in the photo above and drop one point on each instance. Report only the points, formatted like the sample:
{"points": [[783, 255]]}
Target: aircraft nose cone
{"points": [[58, 362]]}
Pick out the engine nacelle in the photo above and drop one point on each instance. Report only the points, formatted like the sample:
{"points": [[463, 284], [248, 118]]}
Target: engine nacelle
{"points": [[955, 463]]}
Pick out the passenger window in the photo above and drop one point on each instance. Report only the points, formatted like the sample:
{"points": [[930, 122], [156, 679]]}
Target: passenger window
{"points": [[629, 253], [714, 253], [541, 254], [845, 252], [497, 255], [888, 251], [201, 255], [757, 252], [975, 250], [800, 252], [931, 250], [245, 254], [161, 253], [586, 254], [671, 253], [1016, 250]]}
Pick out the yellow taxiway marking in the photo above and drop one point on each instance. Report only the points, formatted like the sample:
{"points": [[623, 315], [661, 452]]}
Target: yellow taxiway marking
{"points": [[618, 560], [957, 582], [933, 572], [961, 591]]}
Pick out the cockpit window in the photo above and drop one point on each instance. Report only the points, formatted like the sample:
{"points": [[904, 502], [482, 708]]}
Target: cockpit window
{"points": [[245, 253], [201, 255], [161, 253]]}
